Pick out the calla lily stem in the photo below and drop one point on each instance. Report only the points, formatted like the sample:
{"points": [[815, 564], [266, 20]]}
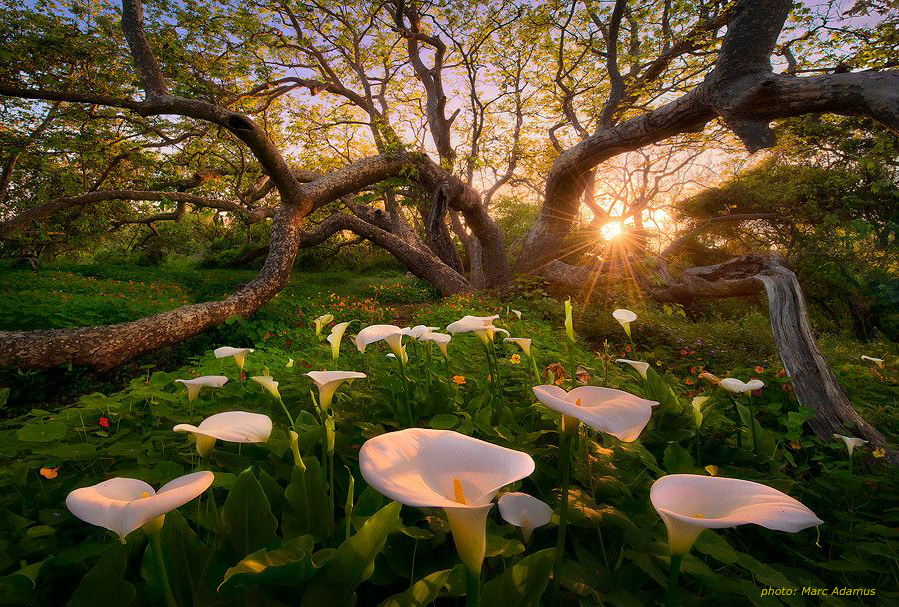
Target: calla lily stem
{"points": [[671, 598], [536, 370], [286, 412], [472, 588], [406, 401], [565, 466]]}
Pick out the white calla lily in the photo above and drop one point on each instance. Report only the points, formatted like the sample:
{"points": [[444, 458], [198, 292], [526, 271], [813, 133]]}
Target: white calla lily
{"points": [[444, 469], [417, 331], [736, 386], [638, 365], [624, 317], [851, 442], [329, 381], [441, 339], [522, 342], [689, 503], [239, 354], [525, 511], [231, 427], [267, 382], [122, 505], [876, 361], [336, 337], [614, 412], [392, 334], [206, 381], [321, 321], [517, 313], [482, 326]]}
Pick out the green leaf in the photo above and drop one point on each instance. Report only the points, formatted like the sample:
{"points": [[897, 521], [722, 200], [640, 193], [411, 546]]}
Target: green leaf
{"points": [[41, 432], [677, 459], [521, 585], [715, 546], [291, 563], [248, 516], [444, 421], [308, 505], [105, 583], [353, 562], [423, 592], [185, 557]]}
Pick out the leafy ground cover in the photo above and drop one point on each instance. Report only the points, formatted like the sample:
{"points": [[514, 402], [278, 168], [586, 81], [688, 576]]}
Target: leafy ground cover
{"points": [[275, 530]]}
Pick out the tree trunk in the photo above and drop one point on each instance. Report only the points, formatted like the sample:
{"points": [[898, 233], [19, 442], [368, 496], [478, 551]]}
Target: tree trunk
{"points": [[108, 346], [814, 383]]}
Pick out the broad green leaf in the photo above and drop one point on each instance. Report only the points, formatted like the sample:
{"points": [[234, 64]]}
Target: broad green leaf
{"points": [[308, 505], [185, 558], [105, 583], [248, 517], [423, 592], [353, 562], [521, 585], [677, 459], [38, 432], [290, 563], [444, 421]]}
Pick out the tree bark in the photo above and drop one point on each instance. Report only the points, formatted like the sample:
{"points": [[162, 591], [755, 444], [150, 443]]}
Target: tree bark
{"points": [[108, 346]]}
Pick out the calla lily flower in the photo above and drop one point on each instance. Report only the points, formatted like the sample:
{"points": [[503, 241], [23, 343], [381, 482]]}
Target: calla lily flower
{"points": [[329, 381], [640, 366], [517, 313], [335, 338], [441, 339], [624, 317], [444, 469], [569, 323], [392, 334], [206, 381], [689, 503], [418, 330], [482, 326], [876, 361], [736, 386], [289, 363], [321, 321], [698, 402], [122, 505], [267, 382], [525, 511], [231, 427], [523, 342], [851, 442], [239, 354], [614, 412]]}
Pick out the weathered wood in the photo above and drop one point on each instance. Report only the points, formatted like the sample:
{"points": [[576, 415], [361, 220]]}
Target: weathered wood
{"points": [[813, 381], [108, 346]]}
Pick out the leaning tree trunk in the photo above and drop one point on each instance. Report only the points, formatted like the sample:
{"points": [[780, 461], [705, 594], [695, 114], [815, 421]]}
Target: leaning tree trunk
{"points": [[814, 383], [108, 346]]}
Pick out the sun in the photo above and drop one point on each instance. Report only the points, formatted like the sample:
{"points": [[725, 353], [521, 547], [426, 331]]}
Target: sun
{"points": [[610, 230]]}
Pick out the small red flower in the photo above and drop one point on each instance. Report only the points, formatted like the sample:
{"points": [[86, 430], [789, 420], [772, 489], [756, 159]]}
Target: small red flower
{"points": [[684, 352], [104, 421]]}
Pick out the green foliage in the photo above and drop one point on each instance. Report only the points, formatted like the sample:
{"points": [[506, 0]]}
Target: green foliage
{"points": [[265, 532]]}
